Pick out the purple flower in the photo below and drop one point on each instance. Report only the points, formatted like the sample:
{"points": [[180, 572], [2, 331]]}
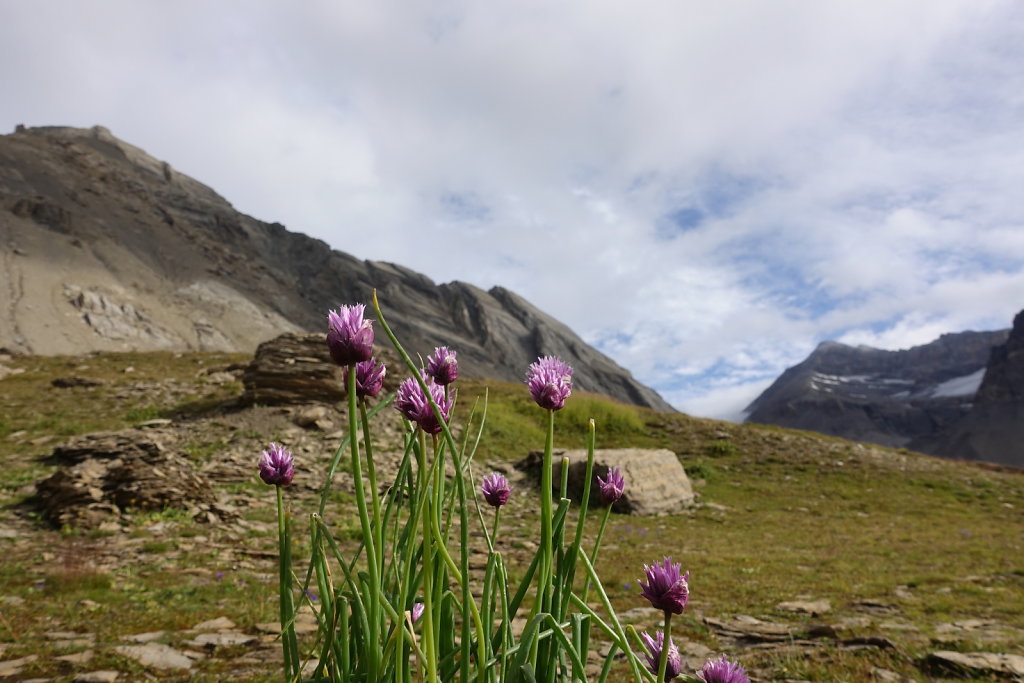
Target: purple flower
{"points": [[349, 337], [276, 466], [442, 366], [369, 377], [612, 488], [722, 671], [411, 402], [417, 611], [666, 588], [653, 655], [496, 490], [550, 382]]}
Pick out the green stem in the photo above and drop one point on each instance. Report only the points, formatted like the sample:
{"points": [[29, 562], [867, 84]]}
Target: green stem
{"points": [[373, 652], [371, 472], [547, 549], [663, 661], [459, 468], [581, 521], [597, 547], [289, 642], [428, 562], [494, 534]]}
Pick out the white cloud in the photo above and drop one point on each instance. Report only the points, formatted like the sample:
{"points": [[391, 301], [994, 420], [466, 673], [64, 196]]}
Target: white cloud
{"points": [[703, 190]]}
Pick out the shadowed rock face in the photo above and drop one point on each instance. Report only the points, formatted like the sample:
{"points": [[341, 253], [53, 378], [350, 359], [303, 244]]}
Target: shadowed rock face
{"points": [[993, 430], [892, 398], [103, 247]]}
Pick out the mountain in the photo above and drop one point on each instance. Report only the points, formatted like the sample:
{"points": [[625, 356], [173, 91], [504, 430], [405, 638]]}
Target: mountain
{"points": [[891, 398], [103, 247], [993, 430]]}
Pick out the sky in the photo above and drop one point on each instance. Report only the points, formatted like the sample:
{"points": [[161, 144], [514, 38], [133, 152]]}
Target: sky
{"points": [[704, 191]]}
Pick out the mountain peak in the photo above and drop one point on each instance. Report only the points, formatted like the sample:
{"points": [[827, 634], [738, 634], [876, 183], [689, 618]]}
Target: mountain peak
{"points": [[106, 248]]}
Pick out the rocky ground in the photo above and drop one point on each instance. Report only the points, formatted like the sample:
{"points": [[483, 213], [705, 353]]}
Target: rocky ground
{"points": [[110, 592]]}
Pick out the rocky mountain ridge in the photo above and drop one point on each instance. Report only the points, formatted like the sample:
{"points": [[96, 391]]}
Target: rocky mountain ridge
{"points": [[960, 396], [103, 247], [993, 430]]}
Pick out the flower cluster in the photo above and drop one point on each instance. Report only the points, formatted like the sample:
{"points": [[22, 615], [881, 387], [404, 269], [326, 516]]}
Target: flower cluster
{"points": [[666, 588], [369, 377], [426, 401], [276, 466], [416, 612], [496, 490], [412, 403], [442, 366], [612, 487], [550, 382], [722, 671], [349, 337], [654, 646]]}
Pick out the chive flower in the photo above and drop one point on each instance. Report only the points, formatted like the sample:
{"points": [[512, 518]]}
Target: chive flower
{"points": [[666, 588], [654, 646], [550, 382], [611, 488], [722, 671], [412, 403], [442, 366], [369, 377], [417, 611], [496, 490], [276, 466], [349, 337]]}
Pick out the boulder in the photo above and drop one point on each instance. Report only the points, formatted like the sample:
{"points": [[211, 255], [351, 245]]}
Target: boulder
{"points": [[107, 473], [656, 483], [297, 368]]}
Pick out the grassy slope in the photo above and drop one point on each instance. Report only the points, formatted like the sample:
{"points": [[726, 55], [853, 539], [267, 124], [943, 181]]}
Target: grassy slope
{"points": [[795, 516]]}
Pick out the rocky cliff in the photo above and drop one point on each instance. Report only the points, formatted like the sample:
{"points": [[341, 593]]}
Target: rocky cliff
{"points": [[993, 430], [103, 247], [891, 398]]}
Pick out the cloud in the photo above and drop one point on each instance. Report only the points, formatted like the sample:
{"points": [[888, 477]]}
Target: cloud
{"points": [[704, 191]]}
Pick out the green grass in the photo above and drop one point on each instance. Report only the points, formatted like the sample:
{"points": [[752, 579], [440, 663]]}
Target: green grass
{"points": [[794, 515]]}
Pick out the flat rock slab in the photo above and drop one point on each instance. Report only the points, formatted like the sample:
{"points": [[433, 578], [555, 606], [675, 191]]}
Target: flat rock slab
{"points": [[155, 655], [12, 667], [976, 663], [656, 483], [812, 607], [750, 629]]}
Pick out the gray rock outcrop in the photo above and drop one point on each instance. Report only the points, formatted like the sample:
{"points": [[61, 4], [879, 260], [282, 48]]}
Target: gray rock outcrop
{"points": [[297, 369], [656, 483], [103, 247], [993, 429], [104, 474]]}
